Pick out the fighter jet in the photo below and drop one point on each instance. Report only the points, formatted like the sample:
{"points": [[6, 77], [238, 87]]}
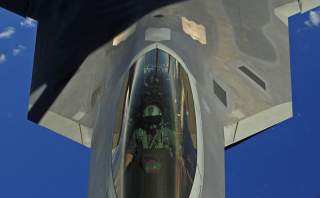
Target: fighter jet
{"points": [[158, 89]]}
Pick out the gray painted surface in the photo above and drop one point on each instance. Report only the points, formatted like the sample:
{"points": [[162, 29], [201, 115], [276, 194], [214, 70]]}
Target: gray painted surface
{"points": [[244, 23], [236, 35], [238, 32]]}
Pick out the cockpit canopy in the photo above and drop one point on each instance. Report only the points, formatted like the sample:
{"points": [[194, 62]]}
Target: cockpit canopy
{"points": [[155, 140]]}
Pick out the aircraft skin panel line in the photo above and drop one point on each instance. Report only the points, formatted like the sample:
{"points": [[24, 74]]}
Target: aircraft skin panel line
{"points": [[256, 123]]}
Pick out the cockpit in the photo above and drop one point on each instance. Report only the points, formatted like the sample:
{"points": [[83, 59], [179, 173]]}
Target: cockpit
{"points": [[155, 140]]}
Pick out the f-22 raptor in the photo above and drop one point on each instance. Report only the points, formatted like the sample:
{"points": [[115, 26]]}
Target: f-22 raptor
{"points": [[158, 89]]}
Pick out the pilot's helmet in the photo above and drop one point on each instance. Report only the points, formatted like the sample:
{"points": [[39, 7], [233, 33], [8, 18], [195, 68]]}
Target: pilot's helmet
{"points": [[151, 111]]}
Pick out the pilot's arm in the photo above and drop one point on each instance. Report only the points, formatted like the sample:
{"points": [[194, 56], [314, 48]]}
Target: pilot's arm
{"points": [[139, 137], [129, 158], [169, 136], [131, 150], [169, 140]]}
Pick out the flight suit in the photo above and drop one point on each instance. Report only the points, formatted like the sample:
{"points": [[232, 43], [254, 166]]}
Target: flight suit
{"points": [[162, 139], [141, 140]]}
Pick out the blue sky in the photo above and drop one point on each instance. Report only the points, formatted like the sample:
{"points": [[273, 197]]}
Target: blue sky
{"points": [[34, 161], [282, 162]]}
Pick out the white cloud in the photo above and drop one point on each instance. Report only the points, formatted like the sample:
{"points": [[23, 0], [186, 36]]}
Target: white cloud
{"points": [[10, 115], [7, 33], [28, 22], [3, 58], [22, 47], [16, 51], [308, 23], [314, 19]]}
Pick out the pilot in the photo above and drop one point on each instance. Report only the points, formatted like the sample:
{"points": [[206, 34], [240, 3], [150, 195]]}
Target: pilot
{"points": [[153, 136]]}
